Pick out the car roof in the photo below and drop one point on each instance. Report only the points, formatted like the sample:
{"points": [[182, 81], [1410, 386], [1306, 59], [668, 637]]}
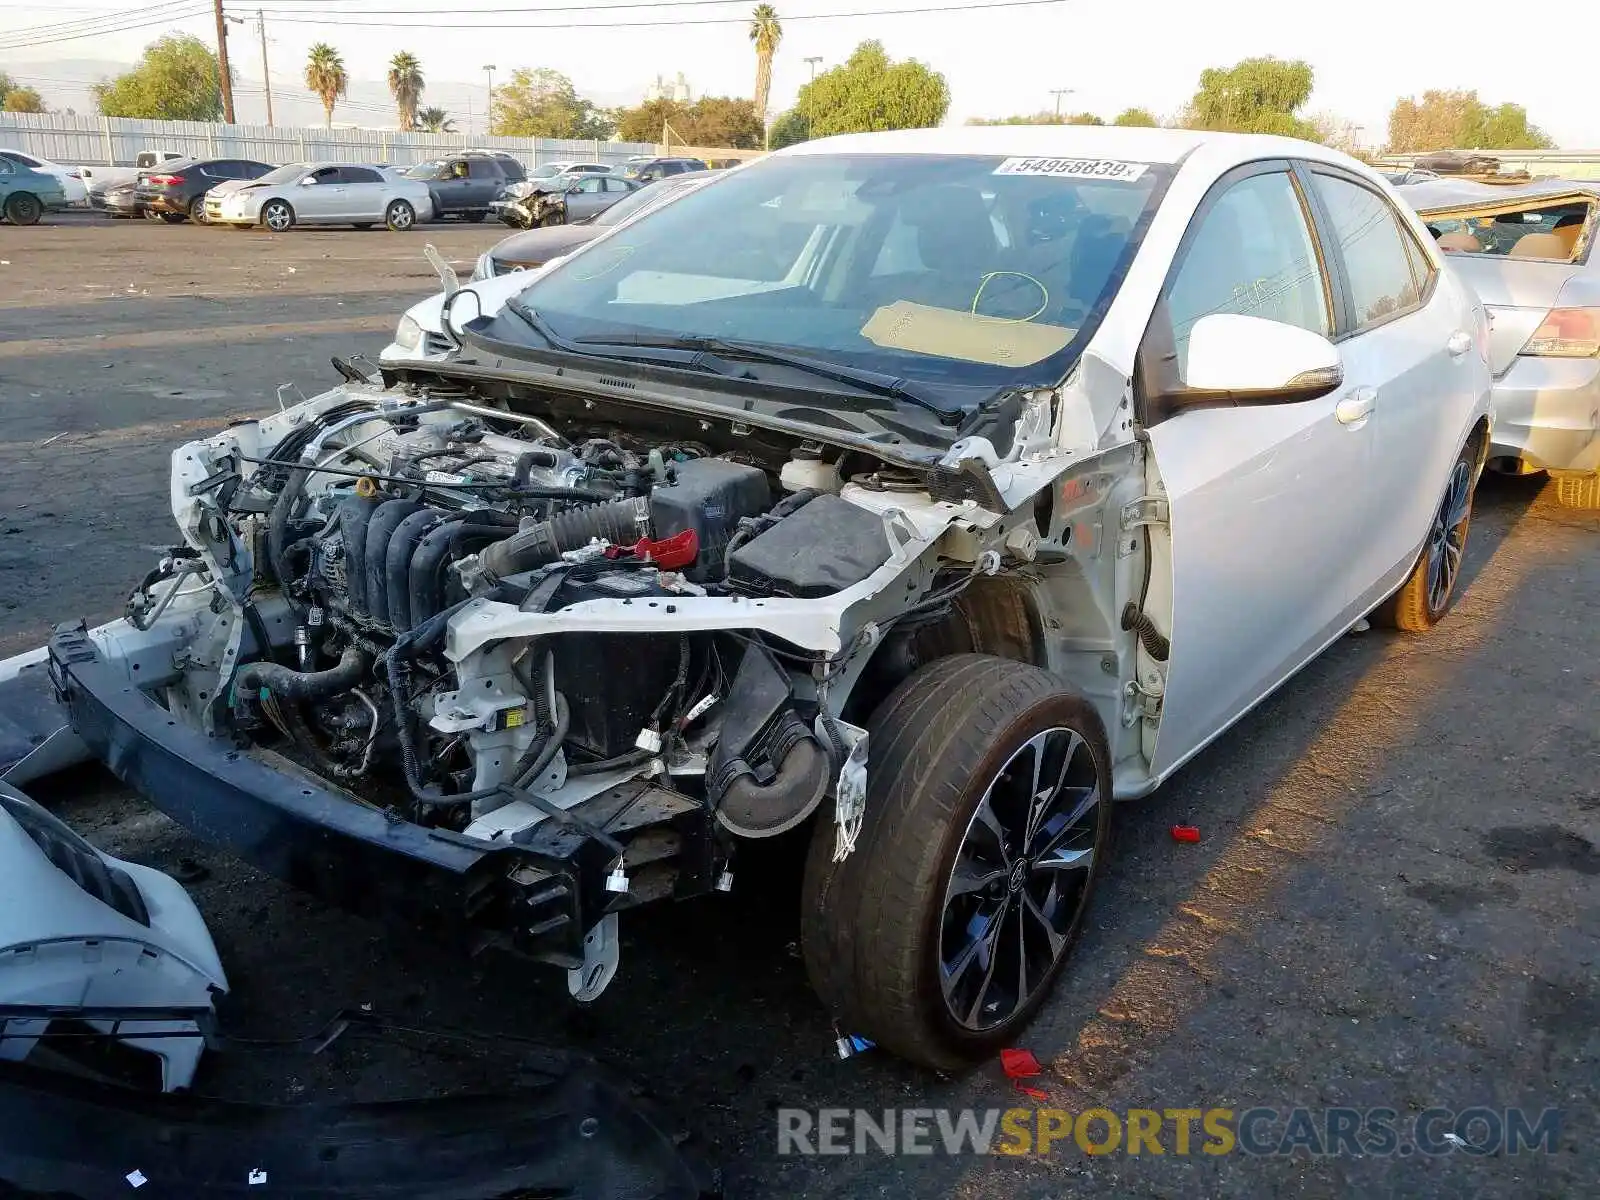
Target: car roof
{"points": [[1436, 195], [1161, 146]]}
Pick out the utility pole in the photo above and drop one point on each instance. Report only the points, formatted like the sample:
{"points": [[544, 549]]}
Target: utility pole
{"points": [[488, 120], [266, 75], [222, 65], [812, 63], [1058, 93]]}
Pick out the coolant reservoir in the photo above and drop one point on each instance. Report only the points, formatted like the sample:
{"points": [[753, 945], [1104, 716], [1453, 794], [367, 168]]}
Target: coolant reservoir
{"points": [[807, 470]]}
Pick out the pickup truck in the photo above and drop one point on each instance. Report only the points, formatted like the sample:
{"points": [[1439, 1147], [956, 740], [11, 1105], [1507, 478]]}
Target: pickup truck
{"points": [[98, 178]]}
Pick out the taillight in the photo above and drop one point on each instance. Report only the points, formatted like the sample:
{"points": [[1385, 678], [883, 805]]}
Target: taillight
{"points": [[1567, 333], [166, 180]]}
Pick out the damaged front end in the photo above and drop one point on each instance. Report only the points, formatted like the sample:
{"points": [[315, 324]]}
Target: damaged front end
{"points": [[431, 657]]}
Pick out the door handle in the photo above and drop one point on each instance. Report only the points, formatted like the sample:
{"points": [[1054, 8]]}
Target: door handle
{"points": [[1357, 406], [1459, 343]]}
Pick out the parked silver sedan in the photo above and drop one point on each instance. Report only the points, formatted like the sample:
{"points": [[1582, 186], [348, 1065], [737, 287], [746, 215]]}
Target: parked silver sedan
{"points": [[322, 194], [1528, 251]]}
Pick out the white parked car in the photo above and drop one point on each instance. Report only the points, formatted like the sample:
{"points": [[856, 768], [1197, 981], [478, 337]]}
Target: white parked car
{"points": [[921, 491], [321, 194], [71, 178]]}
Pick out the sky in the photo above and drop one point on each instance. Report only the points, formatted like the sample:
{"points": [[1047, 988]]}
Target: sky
{"points": [[998, 60]]}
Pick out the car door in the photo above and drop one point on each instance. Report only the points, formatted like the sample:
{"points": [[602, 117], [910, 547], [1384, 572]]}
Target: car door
{"points": [[1264, 502], [1410, 363], [319, 196], [484, 180], [365, 194], [585, 197], [452, 186]]}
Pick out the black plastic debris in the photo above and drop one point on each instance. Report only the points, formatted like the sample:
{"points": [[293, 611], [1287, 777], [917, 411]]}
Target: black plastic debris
{"points": [[577, 1136]]}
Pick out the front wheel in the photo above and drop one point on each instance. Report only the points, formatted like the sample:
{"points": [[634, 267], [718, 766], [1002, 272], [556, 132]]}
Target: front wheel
{"points": [[23, 208], [277, 216], [197, 210], [400, 216], [988, 822], [1430, 590]]}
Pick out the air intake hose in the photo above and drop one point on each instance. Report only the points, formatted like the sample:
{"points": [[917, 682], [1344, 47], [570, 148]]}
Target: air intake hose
{"points": [[307, 685], [621, 522]]}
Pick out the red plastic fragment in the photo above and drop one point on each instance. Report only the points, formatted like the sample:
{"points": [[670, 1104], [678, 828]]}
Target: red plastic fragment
{"points": [[669, 554], [1020, 1064], [1033, 1093], [1186, 833]]}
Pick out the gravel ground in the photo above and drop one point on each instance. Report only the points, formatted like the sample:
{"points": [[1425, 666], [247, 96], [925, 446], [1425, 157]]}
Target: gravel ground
{"points": [[1394, 903]]}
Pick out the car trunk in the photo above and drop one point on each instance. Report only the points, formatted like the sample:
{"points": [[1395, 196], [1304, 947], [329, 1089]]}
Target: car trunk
{"points": [[1518, 293]]}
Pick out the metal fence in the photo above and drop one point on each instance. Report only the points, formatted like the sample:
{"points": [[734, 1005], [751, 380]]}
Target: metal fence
{"points": [[114, 141]]}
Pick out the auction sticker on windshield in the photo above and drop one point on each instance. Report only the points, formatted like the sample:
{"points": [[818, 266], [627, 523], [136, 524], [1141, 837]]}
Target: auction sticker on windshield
{"points": [[1074, 168]]}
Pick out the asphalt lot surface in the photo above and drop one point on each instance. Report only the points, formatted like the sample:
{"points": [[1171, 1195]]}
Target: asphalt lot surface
{"points": [[1395, 901]]}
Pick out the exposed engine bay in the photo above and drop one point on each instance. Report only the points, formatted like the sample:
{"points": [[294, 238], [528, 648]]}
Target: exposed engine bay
{"points": [[570, 659]]}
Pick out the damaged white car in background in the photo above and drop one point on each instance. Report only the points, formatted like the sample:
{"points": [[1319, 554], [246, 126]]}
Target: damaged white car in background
{"points": [[922, 492]]}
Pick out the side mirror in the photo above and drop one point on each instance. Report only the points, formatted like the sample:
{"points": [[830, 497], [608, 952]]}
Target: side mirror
{"points": [[1250, 360]]}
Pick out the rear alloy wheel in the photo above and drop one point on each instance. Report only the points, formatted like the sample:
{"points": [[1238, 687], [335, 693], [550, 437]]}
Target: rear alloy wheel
{"points": [[400, 216], [987, 826], [24, 208], [1430, 590], [197, 210], [277, 216]]}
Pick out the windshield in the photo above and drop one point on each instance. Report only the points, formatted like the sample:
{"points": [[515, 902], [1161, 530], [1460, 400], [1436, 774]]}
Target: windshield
{"points": [[548, 171], [283, 174], [426, 170], [961, 270]]}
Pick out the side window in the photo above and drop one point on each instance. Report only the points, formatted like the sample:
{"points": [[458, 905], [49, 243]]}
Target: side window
{"points": [[326, 175], [591, 185], [1252, 254], [6, 168], [1377, 260], [482, 168], [358, 175]]}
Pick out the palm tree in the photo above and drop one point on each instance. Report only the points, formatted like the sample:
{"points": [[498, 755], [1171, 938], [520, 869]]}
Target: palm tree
{"points": [[435, 120], [765, 34], [326, 76], [405, 85]]}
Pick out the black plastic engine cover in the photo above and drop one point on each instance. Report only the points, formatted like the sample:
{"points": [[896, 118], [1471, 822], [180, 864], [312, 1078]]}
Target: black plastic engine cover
{"points": [[827, 546], [709, 496]]}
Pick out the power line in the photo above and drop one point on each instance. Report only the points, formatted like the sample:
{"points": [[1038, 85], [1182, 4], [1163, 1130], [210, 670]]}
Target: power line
{"points": [[456, 23], [194, 10]]}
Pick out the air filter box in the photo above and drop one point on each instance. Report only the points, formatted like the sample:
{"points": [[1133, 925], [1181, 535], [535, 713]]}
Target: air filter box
{"points": [[825, 547]]}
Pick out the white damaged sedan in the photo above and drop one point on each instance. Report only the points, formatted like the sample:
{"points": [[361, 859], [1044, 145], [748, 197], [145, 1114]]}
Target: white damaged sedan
{"points": [[916, 493]]}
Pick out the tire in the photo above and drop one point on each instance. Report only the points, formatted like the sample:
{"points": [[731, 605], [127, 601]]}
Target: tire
{"points": [[1578, 491], [363, 227], [400, 216], [174, 218], [880, 931], [23, 208], [277, 216], [475, 218], [197, 210], [1429, 591]]}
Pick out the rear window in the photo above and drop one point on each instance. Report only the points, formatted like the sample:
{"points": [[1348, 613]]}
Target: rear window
{"points": [[1547, 231]]}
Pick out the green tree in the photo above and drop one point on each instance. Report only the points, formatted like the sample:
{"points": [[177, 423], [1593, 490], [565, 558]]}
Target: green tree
{"points": [[177, 79], [21, 100], [869, 92], [727, 121], [405, 85], [789, 129], [1039, 118], [765, 34], [1256, 95], [543, 103], [1136, 117], [6, 83], [435, 120], [1458, 120], [326, 76]]}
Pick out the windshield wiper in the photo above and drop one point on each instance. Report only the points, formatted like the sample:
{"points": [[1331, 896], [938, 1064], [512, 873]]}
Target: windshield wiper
{"points": [[875, 382], [694, 359]]}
